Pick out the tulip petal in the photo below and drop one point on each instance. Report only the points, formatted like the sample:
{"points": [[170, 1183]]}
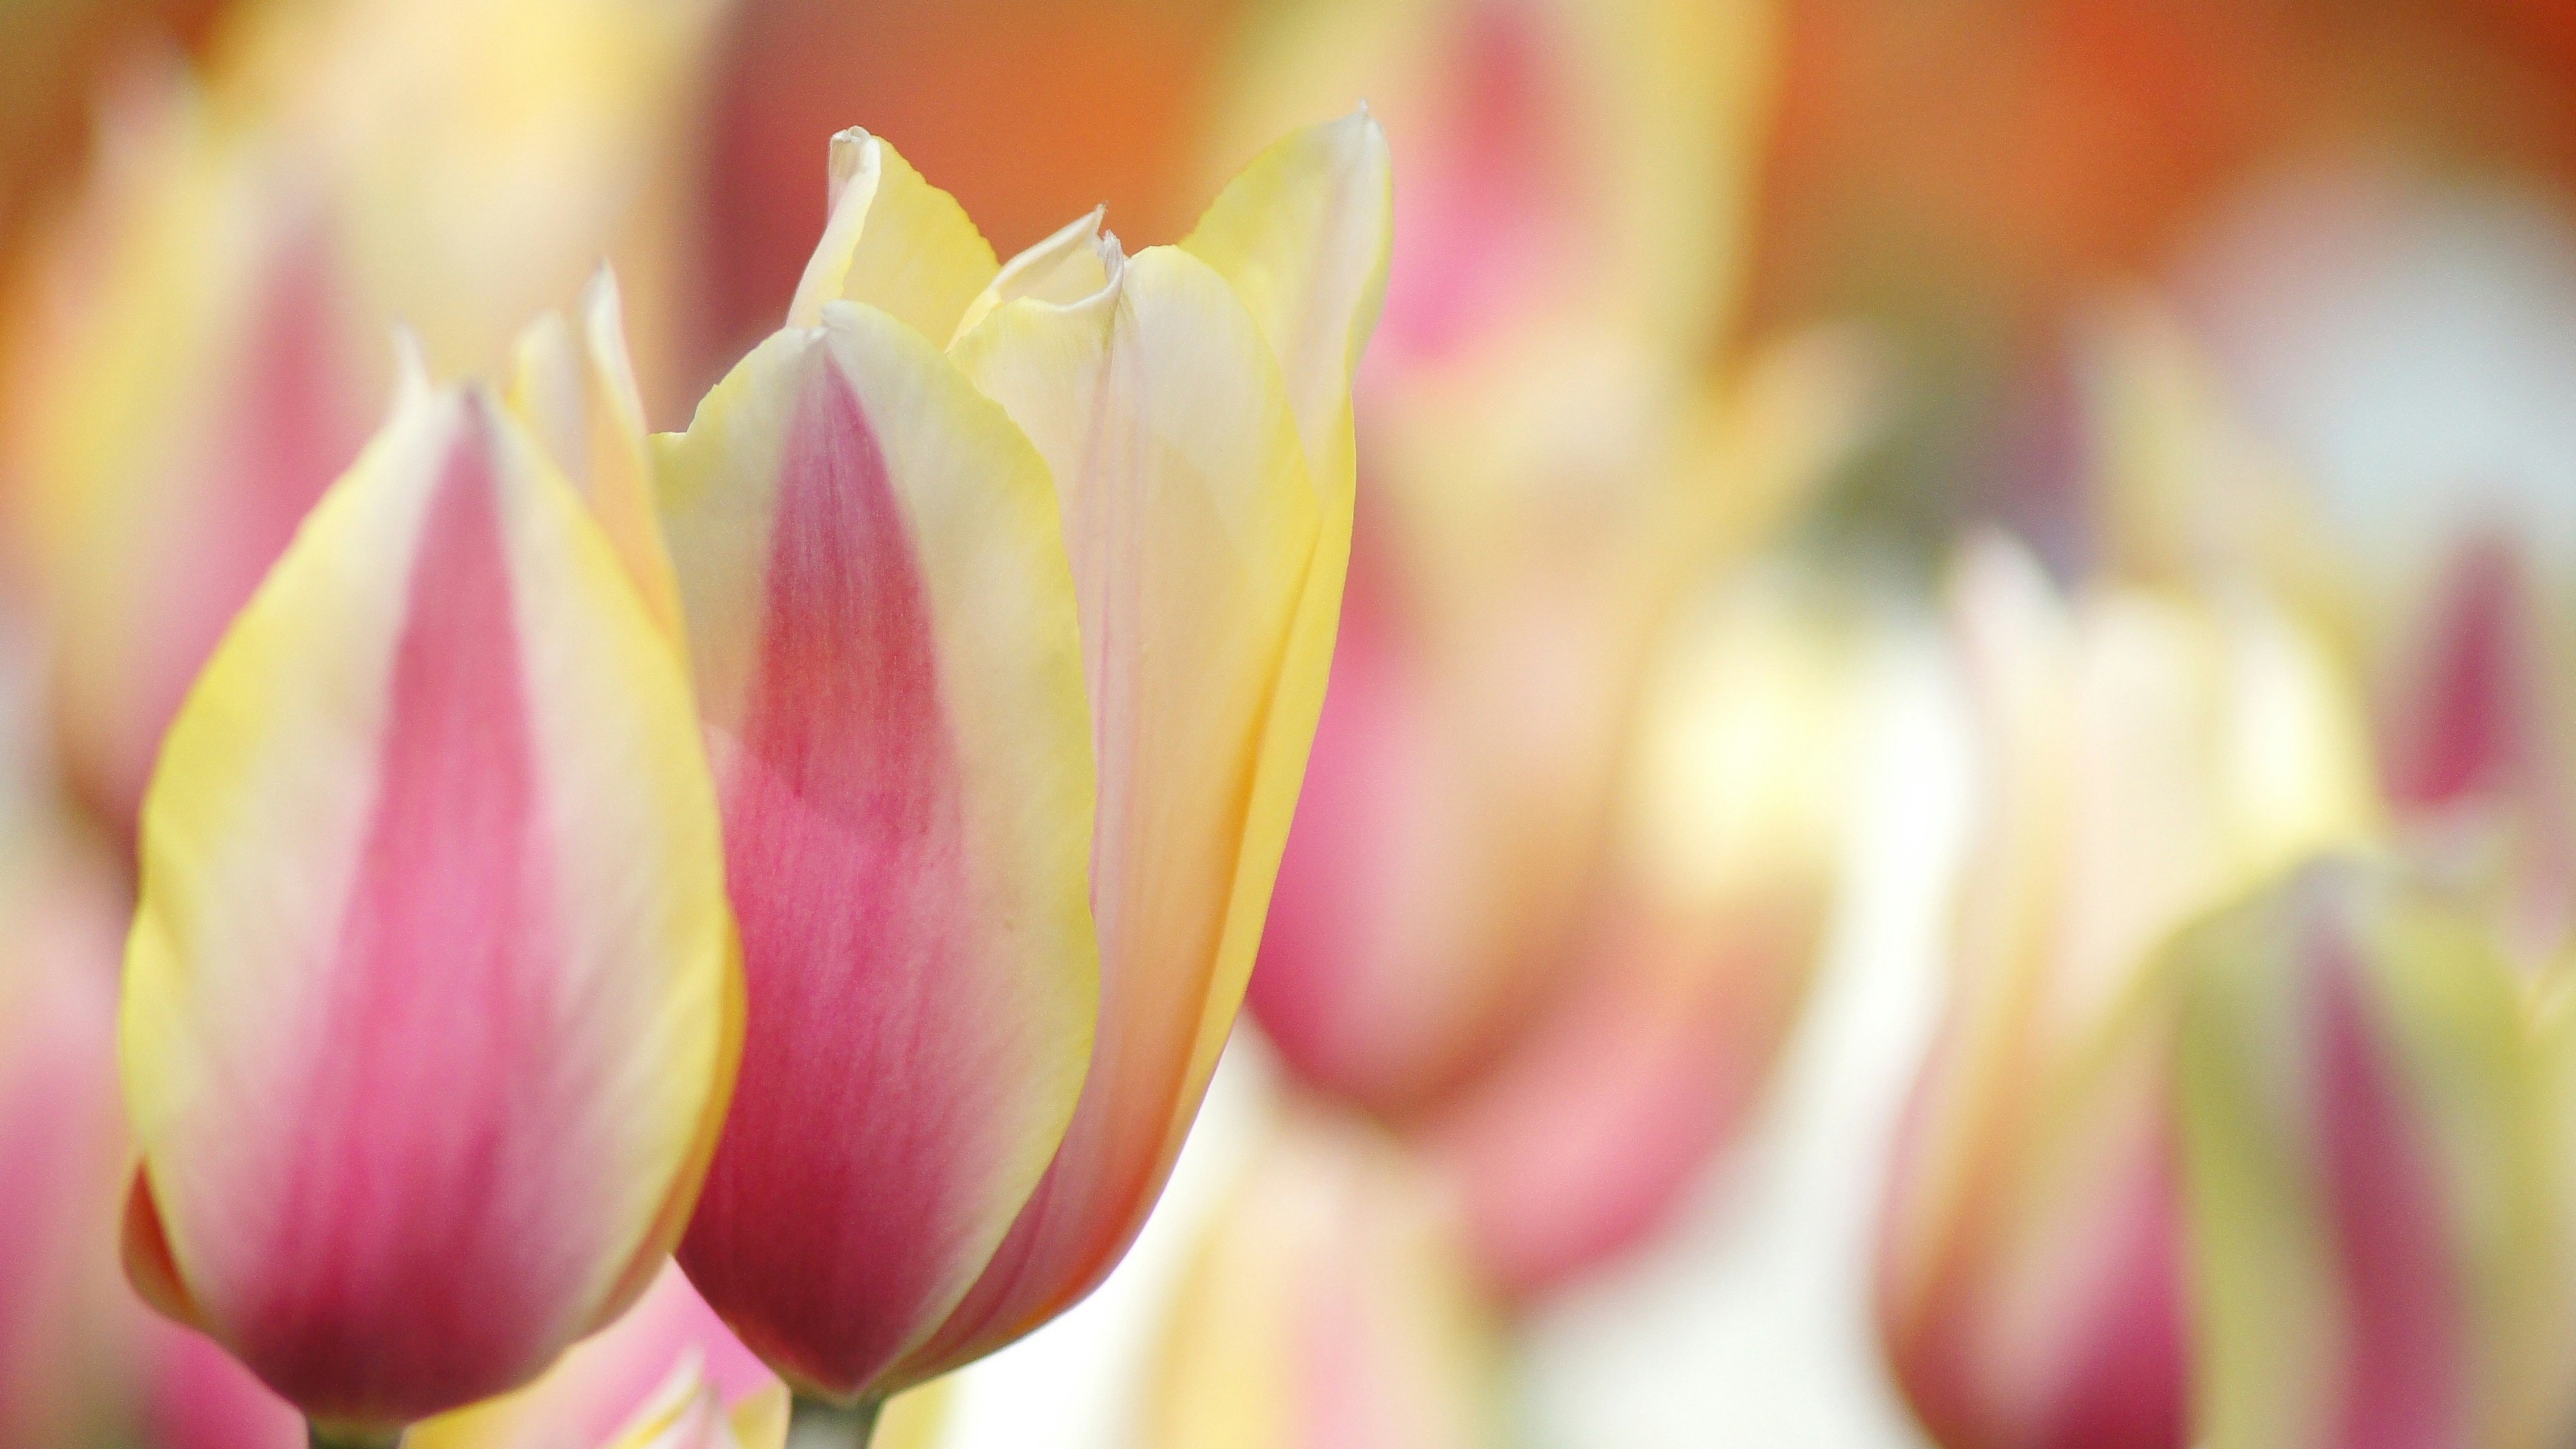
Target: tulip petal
{"points": [[430, 999], [2373, 1208], [1191, 526], [1302, 237], [894, 242], [883, 629], [577, 394], [1209, 562]]}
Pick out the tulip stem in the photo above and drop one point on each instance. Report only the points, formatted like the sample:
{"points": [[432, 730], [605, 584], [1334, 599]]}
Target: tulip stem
{"points": [[819, 1424]]}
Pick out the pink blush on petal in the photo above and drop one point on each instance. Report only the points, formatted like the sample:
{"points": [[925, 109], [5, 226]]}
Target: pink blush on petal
{"points": [[409, 1267], [851, 1155]]}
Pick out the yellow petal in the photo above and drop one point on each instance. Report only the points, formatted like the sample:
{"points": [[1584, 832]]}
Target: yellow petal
{"points": [[1302, 237], [575, 390], [1191, 528], [894, 242], [2375, 1218]]}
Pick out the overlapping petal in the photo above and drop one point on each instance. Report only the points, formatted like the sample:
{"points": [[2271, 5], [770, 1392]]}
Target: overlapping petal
{"points": [[882, 621], [1027, 638], [1208, 554], [894, 242], [573, 386], [432, 1001]]}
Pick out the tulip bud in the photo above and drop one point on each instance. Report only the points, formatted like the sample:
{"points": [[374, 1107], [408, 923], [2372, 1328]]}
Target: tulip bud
{"points": [[2146, 758], [2376, 1226], [431, 1004], [1330, 1305], [1009, 654]]}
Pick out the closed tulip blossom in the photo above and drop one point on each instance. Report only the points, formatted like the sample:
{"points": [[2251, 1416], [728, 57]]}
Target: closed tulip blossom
{"points": [[2149, 757], [432, 999], [1010, 591]]}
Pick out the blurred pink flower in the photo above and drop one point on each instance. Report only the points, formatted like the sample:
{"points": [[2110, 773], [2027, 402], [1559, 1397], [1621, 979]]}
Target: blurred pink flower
{"points": [[2147, 756]]}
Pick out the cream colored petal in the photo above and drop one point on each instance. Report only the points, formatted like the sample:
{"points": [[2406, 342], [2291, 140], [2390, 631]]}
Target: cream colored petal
{"points": [[894, 242]]}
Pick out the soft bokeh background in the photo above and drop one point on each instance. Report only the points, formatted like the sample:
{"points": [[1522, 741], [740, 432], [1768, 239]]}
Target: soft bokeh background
{"points": [[1629, 1020]]}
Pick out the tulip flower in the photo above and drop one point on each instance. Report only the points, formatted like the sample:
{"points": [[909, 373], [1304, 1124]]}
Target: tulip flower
{"points": [[1010, 593], [2148, 757], [197, 351], [1331, 1305], [432, 999], [2378, 1235], [1583, 1138], [1543, 483]]}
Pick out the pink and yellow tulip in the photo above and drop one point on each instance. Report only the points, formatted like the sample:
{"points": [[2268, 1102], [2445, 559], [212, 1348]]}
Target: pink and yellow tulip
{"points": [[1332, 1305], [1010, 592], [2147, 758], [1581, 1139], [2378, 1229], [1539, 487], [197, 351], [432, 1000]]}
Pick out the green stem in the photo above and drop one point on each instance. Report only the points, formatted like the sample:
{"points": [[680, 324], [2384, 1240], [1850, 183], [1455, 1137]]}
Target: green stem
{"points": [[821, 1424]]}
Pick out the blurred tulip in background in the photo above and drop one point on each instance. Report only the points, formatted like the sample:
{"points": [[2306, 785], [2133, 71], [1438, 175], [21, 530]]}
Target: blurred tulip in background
{"points": [[968, 643], [2146, 759], [200, 346], [1333, 1303], [2375, 1173]]}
